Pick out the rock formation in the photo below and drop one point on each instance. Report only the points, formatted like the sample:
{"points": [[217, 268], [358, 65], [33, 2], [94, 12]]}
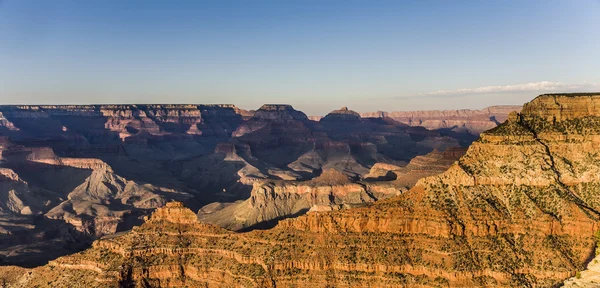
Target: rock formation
{"points": [[520, 208], [472, 121], [419, 167], [271, 201], [51, 202], [274, 200]]}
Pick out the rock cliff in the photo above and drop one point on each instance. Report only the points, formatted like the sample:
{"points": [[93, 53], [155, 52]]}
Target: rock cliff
{"points": [[125, 120]]}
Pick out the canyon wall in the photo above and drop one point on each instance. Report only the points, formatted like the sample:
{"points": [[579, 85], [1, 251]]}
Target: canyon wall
{"points": [[473, 121]]}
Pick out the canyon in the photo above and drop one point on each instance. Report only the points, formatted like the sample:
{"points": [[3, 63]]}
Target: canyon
{"points": [[519, 208], [70, 174]]}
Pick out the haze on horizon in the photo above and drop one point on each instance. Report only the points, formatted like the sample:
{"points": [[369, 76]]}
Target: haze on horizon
{"points": [[315, 55]]}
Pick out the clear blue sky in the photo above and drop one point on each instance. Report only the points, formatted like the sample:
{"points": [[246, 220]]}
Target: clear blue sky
{"points": [[315, 55]]}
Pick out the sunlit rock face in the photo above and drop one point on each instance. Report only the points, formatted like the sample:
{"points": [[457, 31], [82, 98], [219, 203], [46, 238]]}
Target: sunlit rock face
{"points": [[520, 208]]}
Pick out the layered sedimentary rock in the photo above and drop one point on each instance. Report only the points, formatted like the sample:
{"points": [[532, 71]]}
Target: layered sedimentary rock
{"points": [[160, 144], [294, 147], [274, 200], [472, 121], [271, 201], [275, 117], [419, 167], [279, 112], [52, 205], [126, 120], [520, 208]]}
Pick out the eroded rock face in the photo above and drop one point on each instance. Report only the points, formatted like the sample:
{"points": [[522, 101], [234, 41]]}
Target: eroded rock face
{"points": [[520, 208], [174, 212], [52, 205], [563, 107], [419, 167], [103, 122], [473, 121], [271, 201], [522, 201]]}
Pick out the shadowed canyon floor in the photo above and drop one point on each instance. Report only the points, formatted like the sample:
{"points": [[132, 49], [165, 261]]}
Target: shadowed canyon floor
{"points": [[520, 208]]}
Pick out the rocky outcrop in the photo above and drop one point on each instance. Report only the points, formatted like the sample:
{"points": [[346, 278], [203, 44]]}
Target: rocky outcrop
{"points": [[173, 212], [562, 107], [6, 124], [105, 201], [530, 179], [473, 121]]}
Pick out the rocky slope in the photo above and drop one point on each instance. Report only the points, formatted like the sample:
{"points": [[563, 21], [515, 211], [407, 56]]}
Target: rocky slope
{"points": [[520, 208], [472, 121]]}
